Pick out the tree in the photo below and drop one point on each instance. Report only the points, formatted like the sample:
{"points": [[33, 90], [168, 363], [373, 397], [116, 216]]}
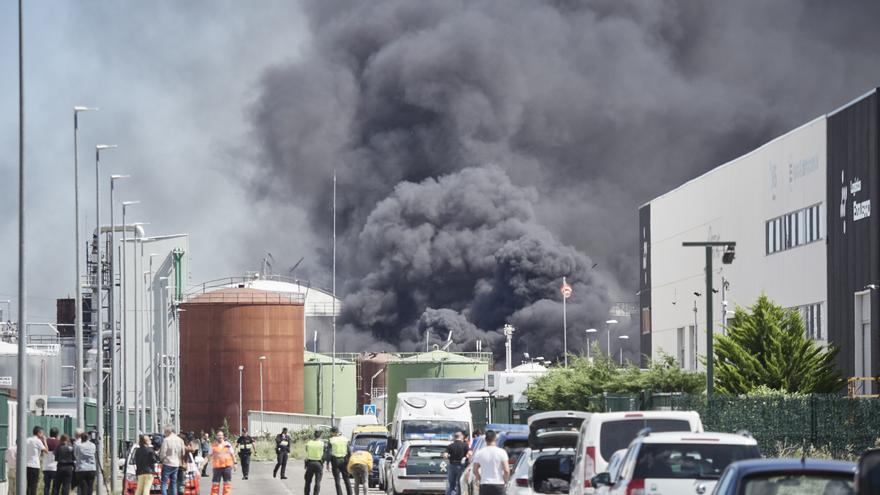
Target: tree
{"points": [[766, 345], [580, 385]]}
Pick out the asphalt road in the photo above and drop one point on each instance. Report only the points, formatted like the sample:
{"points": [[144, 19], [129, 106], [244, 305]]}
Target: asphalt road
{"points": [[261, 481]]}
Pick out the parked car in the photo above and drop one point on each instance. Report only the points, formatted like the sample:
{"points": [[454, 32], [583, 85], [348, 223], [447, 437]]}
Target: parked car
{"points": [[377, 448], [418, 467], [546, 466], [513, 442], [363, 436], [784, 476], [191, 486], [679, 463], [606, 433], [614, 466]]}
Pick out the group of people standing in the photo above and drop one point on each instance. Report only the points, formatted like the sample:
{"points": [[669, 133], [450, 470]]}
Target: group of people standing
{"points": [[491, 466], [335, 456], [66, 463]]}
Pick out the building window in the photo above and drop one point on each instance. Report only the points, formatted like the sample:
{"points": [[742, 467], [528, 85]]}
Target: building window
{"points": [[793, 229], [812, 317]]}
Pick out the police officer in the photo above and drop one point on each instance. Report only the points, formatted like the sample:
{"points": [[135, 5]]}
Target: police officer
{"points": [[339, 451], [245, 445], [315, 456], [282, 451]]}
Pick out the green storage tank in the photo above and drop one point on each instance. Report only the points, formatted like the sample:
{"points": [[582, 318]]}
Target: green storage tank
{"points": [[434, 364], [318, 385]]}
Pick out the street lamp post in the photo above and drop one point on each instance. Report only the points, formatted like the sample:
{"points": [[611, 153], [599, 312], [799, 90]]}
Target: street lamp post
{"points": [[78, 329], [262, 410], [727, 258], [114, 365], [240, 395], [589, 332], [608, 324], [622, 339], [99, 326]]}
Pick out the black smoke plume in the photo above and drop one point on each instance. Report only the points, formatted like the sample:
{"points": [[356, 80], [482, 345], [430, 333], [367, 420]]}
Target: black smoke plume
{"points": [[586, 108]]}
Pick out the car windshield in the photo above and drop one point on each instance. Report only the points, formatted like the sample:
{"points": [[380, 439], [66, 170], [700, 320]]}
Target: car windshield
{"points": [[689, 461], [432, 429], [799, 484], [616, 435], [514, 448], [362, 440]]}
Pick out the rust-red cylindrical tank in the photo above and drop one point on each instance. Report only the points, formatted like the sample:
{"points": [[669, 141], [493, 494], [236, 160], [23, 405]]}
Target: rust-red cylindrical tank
{"points": [[369, 364], [228, 328]]}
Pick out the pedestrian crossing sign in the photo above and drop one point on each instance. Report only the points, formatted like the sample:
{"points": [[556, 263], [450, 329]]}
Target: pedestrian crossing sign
{"points": [[369, 409]]}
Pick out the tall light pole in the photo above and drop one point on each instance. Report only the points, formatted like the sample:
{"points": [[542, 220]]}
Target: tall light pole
{"points": [[240, 397], [608, 324], [99, 326], [77, 321], [333, 355], [114, 364], [622, 339], [566, 293], [123, 304], [21, 409], [262, 409], [589, 331], [727, 258]]}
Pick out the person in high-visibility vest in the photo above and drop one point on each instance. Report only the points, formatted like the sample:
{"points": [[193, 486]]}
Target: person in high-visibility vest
{"points": [[222, 457], [339, 451], [360, 464], [315, 456]]}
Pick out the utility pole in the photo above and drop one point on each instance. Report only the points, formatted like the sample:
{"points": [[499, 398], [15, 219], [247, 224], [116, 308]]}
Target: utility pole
{"points": [[729, 253], [333, 356], [21, 409]]}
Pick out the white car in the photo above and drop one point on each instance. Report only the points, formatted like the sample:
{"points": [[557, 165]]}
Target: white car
{"points": [[679, 463], [545, 467], [603, 434], [418, 467]]}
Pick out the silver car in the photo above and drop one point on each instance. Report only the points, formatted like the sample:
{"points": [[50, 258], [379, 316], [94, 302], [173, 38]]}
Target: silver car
{"points": [[418, 467]]}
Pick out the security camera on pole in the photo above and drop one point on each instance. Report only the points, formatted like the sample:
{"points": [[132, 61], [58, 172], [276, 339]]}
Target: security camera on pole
{"points": [[566, 293]]}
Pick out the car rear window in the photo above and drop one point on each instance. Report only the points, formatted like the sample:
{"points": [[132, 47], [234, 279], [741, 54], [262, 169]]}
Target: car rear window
{"points": [[689, 461], [514, 448], [799, 484], [616, 435], [362, 440]]}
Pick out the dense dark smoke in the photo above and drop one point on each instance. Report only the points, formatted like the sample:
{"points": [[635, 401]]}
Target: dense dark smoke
{"points": [[586, 109]]}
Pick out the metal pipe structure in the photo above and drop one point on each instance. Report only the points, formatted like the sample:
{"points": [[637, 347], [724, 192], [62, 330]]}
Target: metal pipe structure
{"points": [[139, 382], [21, 420], [99, 326], [608, 324], [114, 364], [78, 329], [150, 307], [333, 356], [163, 355], [124, 344], [589, 331]]}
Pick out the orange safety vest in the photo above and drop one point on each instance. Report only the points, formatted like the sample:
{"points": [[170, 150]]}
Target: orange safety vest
{"points": [[221, 455]]}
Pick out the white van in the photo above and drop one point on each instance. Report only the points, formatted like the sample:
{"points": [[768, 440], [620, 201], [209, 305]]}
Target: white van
{"points": [[603, 434], [429, 416], [347, 424]]}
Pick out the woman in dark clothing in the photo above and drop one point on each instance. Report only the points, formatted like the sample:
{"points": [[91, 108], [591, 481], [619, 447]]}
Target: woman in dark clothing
{"points": [[66, 460], [145, 460]]}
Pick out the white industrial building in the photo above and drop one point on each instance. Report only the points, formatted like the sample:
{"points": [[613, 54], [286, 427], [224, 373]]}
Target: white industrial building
{"points": [[798, 209]]}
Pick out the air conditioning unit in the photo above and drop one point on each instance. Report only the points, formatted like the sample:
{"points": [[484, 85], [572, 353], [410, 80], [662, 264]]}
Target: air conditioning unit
{"points": [[38, 404]]}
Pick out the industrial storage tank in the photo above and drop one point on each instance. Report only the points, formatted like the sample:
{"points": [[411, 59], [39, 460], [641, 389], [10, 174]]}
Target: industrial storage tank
{"points": [[370, 364], [225, 329], [434, 364], [317, 396]]}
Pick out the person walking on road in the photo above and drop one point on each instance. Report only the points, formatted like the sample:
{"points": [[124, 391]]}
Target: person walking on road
{"points": [[35, 448], [315, 457], [86, 464], [222, 459], [50, 466], [360, 464], [170, 452], [491, 469], [66, 463], [145, 459], [282, 451], [455, 454], [245, 445], [205, 446], [339, 452]]}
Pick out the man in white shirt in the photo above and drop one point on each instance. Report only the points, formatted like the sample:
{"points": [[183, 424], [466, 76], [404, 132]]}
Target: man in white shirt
{"points": [[491, 469], [170, 452], [35, 448]]}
